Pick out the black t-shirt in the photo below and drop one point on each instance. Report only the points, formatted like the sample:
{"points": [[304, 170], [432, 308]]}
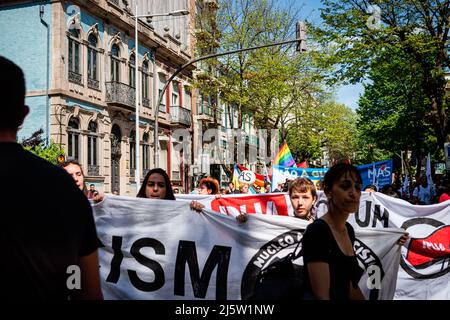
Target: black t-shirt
{"points": [[319, 245], [46, 225]]}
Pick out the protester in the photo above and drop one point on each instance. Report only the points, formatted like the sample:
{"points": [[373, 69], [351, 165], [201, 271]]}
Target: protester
{"points": [[244, 188], [231, 188], [423, 193], [156, 185], [208, 186], [45, 235], [223, 191], [445, 196], [331, 267], [91, 192], [303, 195], [76, 171], [279, 187], [370, 188], [319, 185], [389, 191]]}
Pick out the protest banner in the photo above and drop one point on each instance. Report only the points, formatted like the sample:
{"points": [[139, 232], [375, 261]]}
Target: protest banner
{"points": [[161, 249]]}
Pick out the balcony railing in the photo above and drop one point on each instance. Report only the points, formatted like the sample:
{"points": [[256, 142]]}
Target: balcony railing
{"points": [[204, 110], [75, 78], [120, 93], [93, 170], [180, 115], [93, 84], [116, 2], [162, 108]]}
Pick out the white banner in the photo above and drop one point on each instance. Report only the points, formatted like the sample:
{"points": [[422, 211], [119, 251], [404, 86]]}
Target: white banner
{"points": [[425, 260], [160, 249]]}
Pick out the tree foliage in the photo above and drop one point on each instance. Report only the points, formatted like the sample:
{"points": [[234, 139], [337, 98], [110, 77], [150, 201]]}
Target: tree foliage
{"points": [[36, 144], [357, 39]]}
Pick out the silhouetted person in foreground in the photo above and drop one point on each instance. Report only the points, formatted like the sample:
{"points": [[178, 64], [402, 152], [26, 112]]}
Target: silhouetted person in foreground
{"points": [[49, 241]]}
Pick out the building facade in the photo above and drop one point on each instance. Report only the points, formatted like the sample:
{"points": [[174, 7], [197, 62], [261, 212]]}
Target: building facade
{"points": [[79, 58]]}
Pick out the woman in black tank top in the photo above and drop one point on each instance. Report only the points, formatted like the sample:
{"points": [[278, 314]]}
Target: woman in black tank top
{"points": [[331, 268]]}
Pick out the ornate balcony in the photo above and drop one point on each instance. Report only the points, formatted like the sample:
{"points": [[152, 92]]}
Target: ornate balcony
{"points": [[93, 84], [180, 115], [75, 78], [120, 94]]}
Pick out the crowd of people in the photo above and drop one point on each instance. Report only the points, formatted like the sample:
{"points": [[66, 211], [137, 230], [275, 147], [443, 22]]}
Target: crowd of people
{"points": [[47, 234]]}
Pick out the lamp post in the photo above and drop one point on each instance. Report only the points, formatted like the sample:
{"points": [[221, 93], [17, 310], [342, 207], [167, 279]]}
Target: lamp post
{"points": [[136, 17]]}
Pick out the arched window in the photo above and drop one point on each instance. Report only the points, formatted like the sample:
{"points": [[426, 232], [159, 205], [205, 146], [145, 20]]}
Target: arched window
{"points": [[92, 62], [115, 63], [132, 76], [93, 168], [145, 84], [74, 56], [145, 153], [73, 139], [132, 152]]}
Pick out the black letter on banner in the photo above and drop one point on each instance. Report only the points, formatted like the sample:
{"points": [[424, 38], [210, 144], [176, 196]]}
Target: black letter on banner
{"points": [[377, 216], [151, 264], [114, 273], [219, 256], [366, 221]]}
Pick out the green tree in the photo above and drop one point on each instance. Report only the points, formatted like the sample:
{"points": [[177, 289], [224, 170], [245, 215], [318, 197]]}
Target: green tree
{"points": [[392, 112], [37, 145], [356, 35], [319, 127]]}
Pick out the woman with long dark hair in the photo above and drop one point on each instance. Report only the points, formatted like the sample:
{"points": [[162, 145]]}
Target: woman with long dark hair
{"points": [[156, 185]]}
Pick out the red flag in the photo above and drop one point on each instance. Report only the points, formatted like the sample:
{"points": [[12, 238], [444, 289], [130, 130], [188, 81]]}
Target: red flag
{"points": [[303, 164]]}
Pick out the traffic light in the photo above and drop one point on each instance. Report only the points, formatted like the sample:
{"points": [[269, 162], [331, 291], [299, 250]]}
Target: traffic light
{"points": [[300, 29]]}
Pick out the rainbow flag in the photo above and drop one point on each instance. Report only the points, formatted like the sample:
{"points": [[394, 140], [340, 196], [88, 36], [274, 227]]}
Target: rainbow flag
{"points": [[284, 157]]}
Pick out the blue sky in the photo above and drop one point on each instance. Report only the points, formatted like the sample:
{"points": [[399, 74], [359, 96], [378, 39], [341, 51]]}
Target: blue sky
{"points": [[349, 94]]}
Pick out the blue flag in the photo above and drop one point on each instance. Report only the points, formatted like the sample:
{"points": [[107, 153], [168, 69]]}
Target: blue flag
{"points": [[377, 173]]}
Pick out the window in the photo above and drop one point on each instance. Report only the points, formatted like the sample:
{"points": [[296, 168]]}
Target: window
{"points": [[92, 57], [93, 169], [162, 81], [175, 94], [145, 82], [187, 98], [115, 63], [74, 51], [132, 152], [74, 57], [73, 134], [132, 76], [145, 152]]}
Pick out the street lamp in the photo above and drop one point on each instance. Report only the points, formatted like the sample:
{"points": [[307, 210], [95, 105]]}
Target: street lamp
{"points": [[136, 17]]}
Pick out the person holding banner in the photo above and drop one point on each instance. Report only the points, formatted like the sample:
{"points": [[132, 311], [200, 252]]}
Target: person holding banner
{"points": [[156, 185], [331, 267], [303, 195], [74, 169], [208, 186]]}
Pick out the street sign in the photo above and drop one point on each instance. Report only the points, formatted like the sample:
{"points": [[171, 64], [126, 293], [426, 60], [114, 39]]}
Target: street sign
{"points": [[439, 168]]}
